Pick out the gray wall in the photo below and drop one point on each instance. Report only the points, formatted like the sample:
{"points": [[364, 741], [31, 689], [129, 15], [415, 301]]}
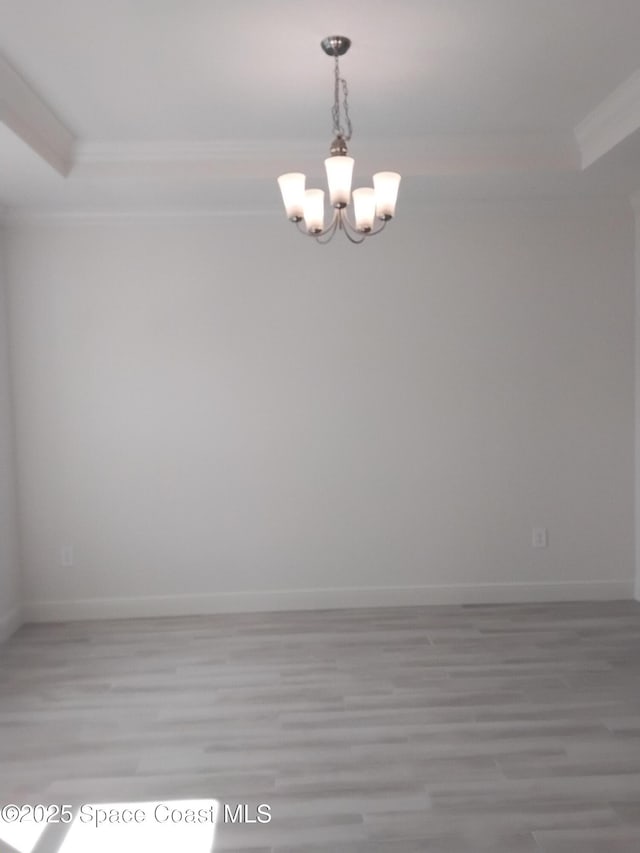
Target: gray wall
{"points": [[10, 604], [219, 414]]}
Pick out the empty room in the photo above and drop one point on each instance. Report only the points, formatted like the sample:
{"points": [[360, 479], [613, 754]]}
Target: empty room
{"points": [[312, 542]]}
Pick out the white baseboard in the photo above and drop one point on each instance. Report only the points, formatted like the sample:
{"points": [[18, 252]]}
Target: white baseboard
{"points": [[325, 599], [10, 622]]}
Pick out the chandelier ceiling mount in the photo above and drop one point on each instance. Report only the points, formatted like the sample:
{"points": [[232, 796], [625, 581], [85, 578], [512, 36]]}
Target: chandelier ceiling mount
{"points": [[335, 45]]}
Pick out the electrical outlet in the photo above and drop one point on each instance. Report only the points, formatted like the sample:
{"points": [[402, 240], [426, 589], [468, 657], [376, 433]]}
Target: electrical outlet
{"points": [[66, 556], [539, 537]]}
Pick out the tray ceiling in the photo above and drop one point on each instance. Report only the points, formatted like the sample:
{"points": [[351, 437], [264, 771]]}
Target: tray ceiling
{"points": [[193, 103]]}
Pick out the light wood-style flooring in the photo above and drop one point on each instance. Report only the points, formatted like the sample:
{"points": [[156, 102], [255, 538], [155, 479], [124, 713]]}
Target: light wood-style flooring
{"points": [[483, 729]]}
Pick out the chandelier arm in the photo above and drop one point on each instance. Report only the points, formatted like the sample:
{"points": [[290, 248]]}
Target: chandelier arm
{"points": [[348, 225], [331, 227], [381, 227], [327, 234], [349, 230], [353, 239]]}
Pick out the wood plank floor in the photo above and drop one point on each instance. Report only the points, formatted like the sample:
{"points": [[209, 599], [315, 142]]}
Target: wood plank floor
{"points": [[509, 729]]}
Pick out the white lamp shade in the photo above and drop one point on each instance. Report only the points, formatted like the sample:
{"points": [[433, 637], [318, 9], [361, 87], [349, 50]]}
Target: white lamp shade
{"points": [[314, 210], [292, 189], [386, 187], [364, 206], [339, 173]]}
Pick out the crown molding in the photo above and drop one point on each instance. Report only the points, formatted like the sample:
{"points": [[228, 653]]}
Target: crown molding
{"points": [[17, 216], [156, 180], [173, 151], [30, 118], [574, 206], [615, 118], [242, 158]]}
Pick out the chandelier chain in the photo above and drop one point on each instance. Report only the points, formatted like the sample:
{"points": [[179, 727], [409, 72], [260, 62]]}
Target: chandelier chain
{"points": [[338, 107]]}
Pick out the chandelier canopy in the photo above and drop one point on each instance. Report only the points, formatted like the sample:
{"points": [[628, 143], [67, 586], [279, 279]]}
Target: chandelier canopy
{"points": [[373, 206]]}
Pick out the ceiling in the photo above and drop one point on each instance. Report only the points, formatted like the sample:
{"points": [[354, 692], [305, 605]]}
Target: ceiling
{"points": [[197, 105]]}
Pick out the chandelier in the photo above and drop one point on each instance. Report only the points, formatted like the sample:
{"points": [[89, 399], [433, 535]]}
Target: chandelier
{"points": [[373, 206]]}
